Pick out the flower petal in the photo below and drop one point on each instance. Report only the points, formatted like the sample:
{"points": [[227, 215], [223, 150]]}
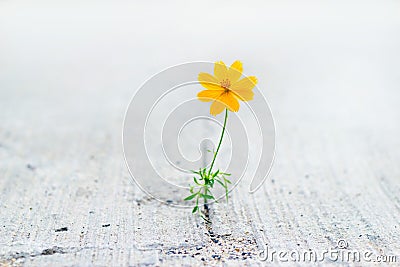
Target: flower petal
{"points": [[216, 107], [227, 100], [244, 95], [209, 95], [247, 83], [208, 81], [235, 71], [230, 101], [220, 70]]}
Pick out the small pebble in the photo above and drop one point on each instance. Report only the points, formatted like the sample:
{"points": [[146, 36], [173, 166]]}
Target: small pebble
{"points": [[31, 167], [216, 256]]}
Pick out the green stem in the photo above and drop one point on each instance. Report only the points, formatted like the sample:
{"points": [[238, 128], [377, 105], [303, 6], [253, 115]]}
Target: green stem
{"points": [[205, 199], [220, 142]]}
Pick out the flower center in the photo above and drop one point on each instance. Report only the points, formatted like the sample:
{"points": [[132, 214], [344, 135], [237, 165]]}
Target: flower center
{"points": [[226, 84]]}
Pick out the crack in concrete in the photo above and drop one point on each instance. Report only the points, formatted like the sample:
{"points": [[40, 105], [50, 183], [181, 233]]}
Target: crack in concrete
{"points": [[46, 252]]}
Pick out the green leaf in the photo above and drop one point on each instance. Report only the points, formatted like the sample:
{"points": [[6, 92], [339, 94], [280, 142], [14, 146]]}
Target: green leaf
{"points": [[226, 180], [195, 172], [196, 208], [201, 173], [196, 181], [212, 183], [224, 173], [191, 197], [206, 196], [220, 182], [215, 174]]}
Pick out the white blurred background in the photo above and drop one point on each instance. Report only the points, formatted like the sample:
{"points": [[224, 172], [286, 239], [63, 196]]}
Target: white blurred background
{"points": [[331, 62]]}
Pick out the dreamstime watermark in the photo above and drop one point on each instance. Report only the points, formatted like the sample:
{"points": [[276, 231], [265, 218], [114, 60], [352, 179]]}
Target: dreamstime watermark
{"points": [[340, 253], [167, 132]]}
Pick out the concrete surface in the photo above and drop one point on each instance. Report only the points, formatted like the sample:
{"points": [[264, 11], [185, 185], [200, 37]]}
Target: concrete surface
{"points": [[67, 198]]}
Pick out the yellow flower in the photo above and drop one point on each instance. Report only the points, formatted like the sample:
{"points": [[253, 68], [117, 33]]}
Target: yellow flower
{"points": [[224, 88]]}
